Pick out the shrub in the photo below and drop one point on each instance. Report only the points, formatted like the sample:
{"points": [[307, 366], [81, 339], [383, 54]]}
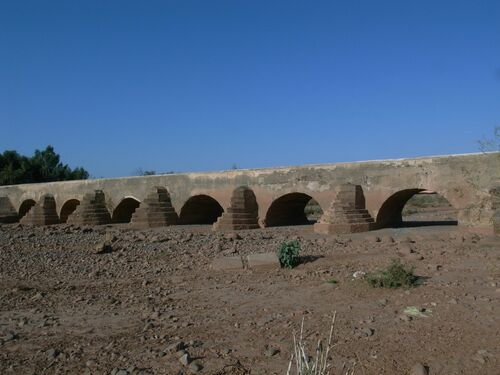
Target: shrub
{"points": [[288, 254], [394, 276]]}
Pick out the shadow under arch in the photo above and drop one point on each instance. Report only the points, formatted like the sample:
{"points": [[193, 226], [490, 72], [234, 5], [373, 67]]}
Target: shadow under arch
{"points": [[67, 209], [391, 212], [200, 209], [124, 210], [25, 207], [290, 209]]}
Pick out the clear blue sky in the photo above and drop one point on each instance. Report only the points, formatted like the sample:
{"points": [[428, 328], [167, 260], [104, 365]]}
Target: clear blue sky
{"points": [[201, 85]]}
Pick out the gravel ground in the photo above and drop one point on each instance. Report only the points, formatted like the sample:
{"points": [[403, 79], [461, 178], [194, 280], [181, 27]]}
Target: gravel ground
{"points": [[112, 300]]}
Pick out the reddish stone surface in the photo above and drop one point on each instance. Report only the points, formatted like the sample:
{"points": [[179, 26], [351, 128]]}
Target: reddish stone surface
{"points": [[347, 214], [242, 214], [155, 211]]}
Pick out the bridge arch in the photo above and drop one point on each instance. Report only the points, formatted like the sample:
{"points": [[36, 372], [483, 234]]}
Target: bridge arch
{"points": [[124, 210], [67, 209], [25, 207], [200, 209], [290, 209], [392, 210]]}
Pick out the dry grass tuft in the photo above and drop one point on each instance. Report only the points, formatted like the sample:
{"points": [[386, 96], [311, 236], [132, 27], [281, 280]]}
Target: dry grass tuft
{"points": [[318, 364]]}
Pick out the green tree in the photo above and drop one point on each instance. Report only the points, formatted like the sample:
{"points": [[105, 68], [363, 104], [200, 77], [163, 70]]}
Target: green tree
{"points": [[43, 166], [11, 167]]}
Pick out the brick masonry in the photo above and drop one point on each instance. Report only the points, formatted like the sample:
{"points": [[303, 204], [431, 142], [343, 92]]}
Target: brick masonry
{"points": [[155, 211], [92, 210], [241, 214], [42, 213], [347, 213]]}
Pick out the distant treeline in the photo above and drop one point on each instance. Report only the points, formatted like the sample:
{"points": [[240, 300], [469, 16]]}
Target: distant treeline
{"points": [[43, 166]]}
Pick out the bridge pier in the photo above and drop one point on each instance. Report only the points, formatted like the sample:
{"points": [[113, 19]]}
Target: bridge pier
{"points": [[347, 213]]}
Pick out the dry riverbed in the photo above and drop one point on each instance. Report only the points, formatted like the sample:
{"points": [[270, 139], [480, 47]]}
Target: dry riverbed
{"points": [[151, 303]]}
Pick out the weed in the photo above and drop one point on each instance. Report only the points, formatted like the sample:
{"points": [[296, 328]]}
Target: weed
{"points": [[288, 254], [320, 362], [332, 281], [394, 276]]}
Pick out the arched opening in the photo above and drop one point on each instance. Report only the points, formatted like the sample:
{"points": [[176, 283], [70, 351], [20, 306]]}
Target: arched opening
{"points": [[416, 207], [25, 207], [200, 209], [123, 212], [293, 209], [67, 209]]}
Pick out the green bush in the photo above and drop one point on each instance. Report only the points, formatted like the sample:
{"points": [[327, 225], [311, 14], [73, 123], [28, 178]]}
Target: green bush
{"points": [[394, 276], [43, 166], [288, 254]]}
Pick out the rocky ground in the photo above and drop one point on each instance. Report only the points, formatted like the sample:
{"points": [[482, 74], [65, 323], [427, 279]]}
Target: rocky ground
{"points": [[112, 300]]}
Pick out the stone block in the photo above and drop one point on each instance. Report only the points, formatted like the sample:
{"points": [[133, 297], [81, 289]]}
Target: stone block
{"points": [[347, 213], [155, 211], [264, 260], [242, 214], [92, 210], [227, 264], [42, 213]]}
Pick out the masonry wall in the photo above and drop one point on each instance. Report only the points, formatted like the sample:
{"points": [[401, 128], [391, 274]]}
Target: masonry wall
{"points": [[464, 180]]}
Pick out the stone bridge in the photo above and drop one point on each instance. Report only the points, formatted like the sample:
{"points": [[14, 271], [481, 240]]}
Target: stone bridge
{"points": [[469, 182]]}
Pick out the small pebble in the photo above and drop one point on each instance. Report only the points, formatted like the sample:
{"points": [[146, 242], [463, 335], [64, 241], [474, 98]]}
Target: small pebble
{"points": [[270, 352], [52, 353], [195, 367], [419, 369], [185, 359]]}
